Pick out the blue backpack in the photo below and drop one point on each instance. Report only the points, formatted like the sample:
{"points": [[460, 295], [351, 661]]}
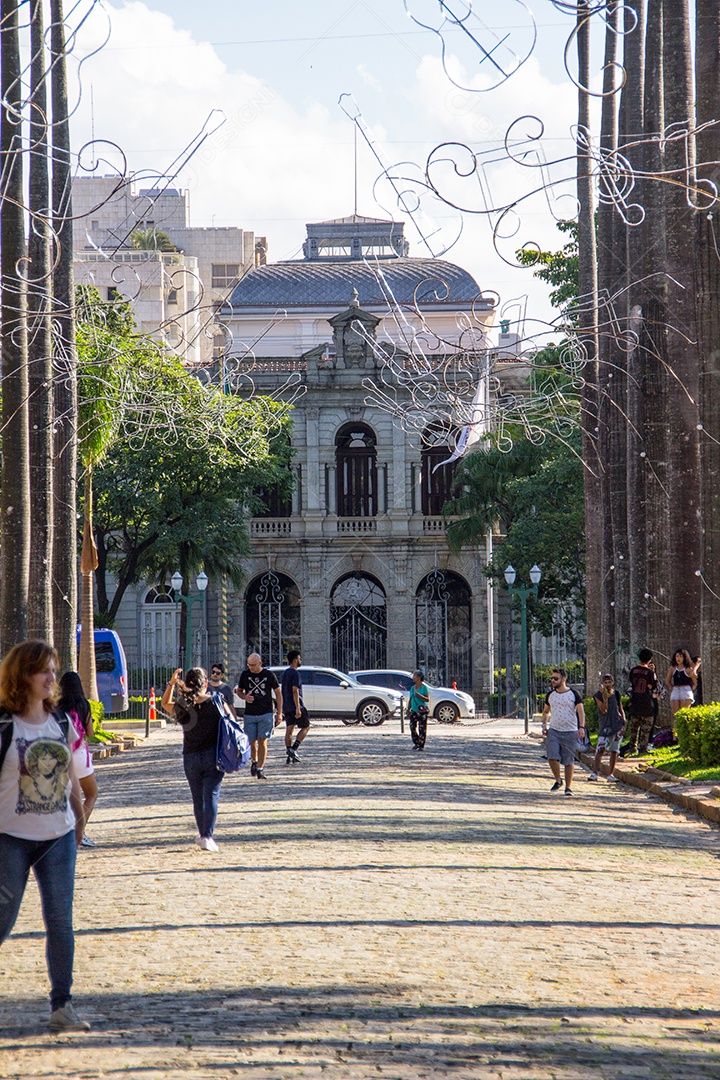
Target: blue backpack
{"points": [[233, 745]]}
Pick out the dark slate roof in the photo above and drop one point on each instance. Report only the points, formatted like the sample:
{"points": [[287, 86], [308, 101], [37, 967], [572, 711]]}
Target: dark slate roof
{"points": [[320, 283]]}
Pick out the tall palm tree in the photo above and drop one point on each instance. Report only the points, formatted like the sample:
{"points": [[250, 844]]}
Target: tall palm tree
{"points": [[65, 358], [15, 493]]}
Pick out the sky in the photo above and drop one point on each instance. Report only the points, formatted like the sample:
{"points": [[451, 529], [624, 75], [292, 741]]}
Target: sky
{"points": [[262, 82]]}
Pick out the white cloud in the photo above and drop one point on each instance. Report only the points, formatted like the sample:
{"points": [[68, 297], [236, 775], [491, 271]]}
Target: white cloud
{"points": [[368, 78]]}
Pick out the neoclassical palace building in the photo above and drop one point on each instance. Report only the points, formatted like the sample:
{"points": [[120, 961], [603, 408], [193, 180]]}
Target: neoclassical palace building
{"points": [[354, 570]]}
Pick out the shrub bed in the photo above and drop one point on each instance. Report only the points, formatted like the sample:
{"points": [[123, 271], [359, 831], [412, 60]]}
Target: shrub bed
{"points": [[698, 732]]}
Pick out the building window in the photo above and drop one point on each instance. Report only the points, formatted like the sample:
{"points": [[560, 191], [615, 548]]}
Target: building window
{"points": [[443, 629], [272, 617], [172, 296], [159, 634], [224, 275], [436, 484], [358, 623], [113, 296], [356, 461], [276, 503]]}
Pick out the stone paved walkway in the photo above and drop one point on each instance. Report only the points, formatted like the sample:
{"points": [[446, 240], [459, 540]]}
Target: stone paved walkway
{"points": [[375, 912]]}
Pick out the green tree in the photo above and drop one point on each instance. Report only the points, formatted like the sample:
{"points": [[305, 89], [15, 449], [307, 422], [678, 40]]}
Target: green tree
{"points": [[534, 491], [174, 463], [151, 240]]}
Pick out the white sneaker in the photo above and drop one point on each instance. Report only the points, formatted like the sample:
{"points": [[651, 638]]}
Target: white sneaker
{"points": [[198, 840], [208, 844], [66, 1019], [612, 779], [592, 776]]}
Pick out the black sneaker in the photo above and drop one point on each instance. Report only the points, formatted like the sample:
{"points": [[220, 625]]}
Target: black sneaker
{"points": [[292, 754], [260, 774], [568, 791], [253, 768], [556, 786]]}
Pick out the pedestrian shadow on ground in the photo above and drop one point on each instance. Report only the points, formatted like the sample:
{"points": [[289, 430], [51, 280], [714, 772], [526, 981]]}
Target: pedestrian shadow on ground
{"points": [[377, 1026]]}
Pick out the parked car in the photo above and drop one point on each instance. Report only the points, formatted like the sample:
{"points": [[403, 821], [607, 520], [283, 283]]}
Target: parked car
{"points": [[111, 668], [445, 705], [330, 693]]}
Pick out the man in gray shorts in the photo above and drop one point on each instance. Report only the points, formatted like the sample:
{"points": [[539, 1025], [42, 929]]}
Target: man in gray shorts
{"points": [[567, 722], [611, 724]]}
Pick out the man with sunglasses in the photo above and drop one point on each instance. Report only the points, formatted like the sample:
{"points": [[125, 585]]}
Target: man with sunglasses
{"points": [[217, 685], [565, 709]]}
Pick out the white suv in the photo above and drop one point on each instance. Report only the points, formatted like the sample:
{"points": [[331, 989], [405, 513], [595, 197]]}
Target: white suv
{"points": [[446, 705], [330, 693]]}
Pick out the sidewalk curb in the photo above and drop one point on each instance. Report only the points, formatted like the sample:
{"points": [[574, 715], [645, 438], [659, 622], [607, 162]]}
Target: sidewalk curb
{"points": [[670, 788]]}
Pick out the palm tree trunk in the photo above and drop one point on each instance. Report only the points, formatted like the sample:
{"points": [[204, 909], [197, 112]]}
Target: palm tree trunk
{"points": [[631, 129], [40, 365], [587, 331], [15, 492], [653, 479], [707, 60], [88, 565], [682, 383], [65, 357]]}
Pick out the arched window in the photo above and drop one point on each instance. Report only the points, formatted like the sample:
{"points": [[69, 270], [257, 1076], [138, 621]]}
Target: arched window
{"points": [[358, 623], [356, 460], [272, 617], [159, 628], [444, 629], [436, 483]]}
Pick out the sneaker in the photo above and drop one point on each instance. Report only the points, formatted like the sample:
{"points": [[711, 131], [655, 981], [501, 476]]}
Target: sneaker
{"points": [[556, 786], [288, 760], [568, 791], [260, 774], [199, 840], [592, 776], [612, 779], [208, 844], [253, 768], [66, 1019], [292, 753], [87, 842]]}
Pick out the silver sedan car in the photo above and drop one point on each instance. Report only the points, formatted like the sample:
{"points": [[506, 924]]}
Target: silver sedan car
{"points": [[446, 705]]}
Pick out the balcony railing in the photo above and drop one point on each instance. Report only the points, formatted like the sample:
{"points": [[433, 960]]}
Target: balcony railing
{"points": [[365, 526], [271, 527]]}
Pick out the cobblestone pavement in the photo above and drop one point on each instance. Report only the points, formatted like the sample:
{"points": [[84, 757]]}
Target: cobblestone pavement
{"points": [[377, 912]]}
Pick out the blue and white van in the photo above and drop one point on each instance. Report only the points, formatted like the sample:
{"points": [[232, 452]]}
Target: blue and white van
{"points": [[112, 673]]}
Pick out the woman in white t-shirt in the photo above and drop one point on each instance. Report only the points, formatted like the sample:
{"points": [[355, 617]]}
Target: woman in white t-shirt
{"points": [[41, 815]]}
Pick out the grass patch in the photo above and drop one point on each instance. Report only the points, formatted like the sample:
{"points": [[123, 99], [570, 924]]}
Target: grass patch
{"points": [[669, 759]]}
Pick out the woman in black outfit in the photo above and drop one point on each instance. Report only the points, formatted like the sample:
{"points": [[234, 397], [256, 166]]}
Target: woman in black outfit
{"points": [[198, 716]]}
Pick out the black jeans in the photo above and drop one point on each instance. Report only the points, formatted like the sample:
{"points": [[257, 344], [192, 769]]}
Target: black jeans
{"points": [[204, 779], [418, 727]]}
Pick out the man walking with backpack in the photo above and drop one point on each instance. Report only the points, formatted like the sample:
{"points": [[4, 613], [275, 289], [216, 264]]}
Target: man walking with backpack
{"points": [[611, 725]]}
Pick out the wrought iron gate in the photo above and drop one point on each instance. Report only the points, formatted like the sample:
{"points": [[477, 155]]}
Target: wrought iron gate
{"points": [[272, 617], [358, 624], [443, 637]]}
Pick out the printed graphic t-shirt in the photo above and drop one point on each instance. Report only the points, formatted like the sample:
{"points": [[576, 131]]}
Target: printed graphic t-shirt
{"points": [[35, 782], [643, 681], [261, 685], [562, 709]]}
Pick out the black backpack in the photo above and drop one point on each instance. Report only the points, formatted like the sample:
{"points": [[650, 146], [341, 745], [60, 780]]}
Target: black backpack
{"points": [[6, 730]]}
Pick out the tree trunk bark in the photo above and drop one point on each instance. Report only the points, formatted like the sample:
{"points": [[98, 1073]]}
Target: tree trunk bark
{"points": [[40, 363], [88, 565], [653, 481], [707, 61], [587, 333], [65, 357], [631, 128], [681, 379], [15, 492]]}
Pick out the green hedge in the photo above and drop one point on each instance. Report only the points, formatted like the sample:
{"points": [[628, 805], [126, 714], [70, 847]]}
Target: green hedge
{"points": [[698, 732]]}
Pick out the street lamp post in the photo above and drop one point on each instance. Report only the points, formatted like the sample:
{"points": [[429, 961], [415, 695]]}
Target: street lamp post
{"points": [[523, 591], [202, 583]]}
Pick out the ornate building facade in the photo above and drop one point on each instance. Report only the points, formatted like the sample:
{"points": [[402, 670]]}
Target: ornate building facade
{"points": [[354, 570]]}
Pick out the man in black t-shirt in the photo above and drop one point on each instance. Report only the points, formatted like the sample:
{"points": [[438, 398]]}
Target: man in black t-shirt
{"points": [[257, 686], [643, 685], [217, 685], [294, 711]]}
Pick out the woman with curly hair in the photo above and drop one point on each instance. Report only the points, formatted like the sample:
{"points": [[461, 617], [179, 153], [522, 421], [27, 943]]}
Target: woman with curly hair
{"points": [[681, 680], [41, 815], [198, 715]]}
